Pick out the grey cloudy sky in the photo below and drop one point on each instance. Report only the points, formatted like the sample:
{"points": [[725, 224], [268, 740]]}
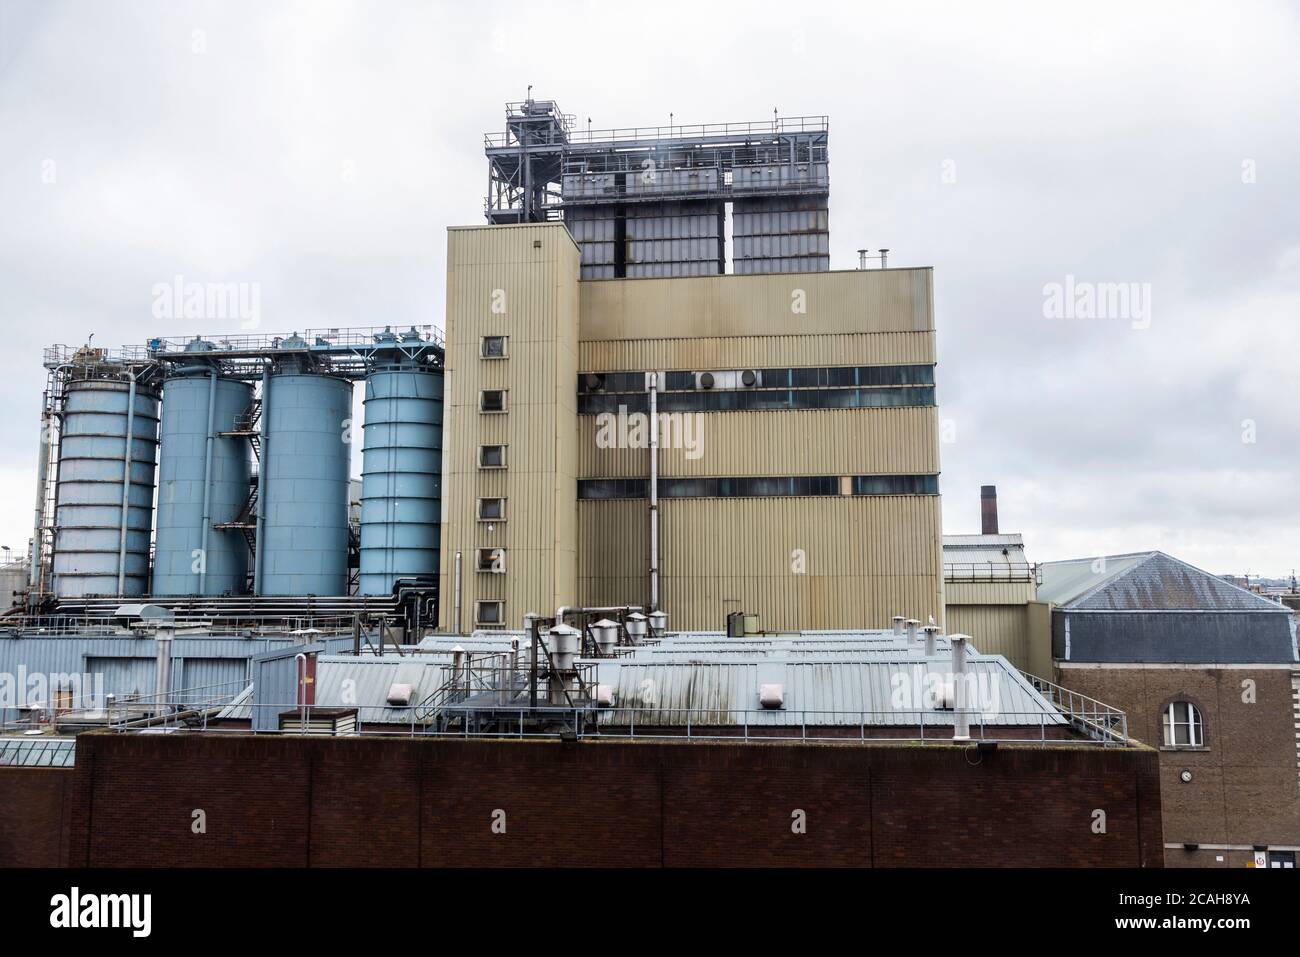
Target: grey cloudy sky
{"points": [[319, 149]]}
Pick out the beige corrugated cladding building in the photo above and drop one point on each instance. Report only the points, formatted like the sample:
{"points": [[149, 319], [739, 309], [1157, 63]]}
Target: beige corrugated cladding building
{"points": [[799, 461]]}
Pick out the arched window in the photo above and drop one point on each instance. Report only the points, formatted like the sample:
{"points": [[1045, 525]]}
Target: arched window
{"points": [[1183, 727]]}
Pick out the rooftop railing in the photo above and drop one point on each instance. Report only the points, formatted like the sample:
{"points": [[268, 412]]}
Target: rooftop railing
{"points": [[1095, 719], [1043, 727], [680, 131], [988, 572]]}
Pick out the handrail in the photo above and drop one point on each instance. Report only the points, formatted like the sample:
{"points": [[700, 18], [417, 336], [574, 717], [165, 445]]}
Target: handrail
{"points": [[680, 131]]}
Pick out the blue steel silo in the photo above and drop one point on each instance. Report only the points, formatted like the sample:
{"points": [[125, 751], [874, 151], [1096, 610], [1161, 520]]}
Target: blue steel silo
{"points": [[401, 469], [104, 494], [203, 480], [302, 541]]}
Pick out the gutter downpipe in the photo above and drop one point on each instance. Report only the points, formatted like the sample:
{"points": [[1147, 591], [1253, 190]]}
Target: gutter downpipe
{"points": [[42, 492], [259, 559], [455, 597], [126, 487], [654, 491], [207, 482]]}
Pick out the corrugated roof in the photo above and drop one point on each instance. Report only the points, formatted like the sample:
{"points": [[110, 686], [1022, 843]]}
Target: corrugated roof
{"points": [[343, 681], [1147, 581], [827, 692], [978, 556]]}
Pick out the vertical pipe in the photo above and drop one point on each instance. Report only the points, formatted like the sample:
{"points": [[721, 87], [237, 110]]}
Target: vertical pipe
{"points": [[126, 487], [259, 538], [654, 491], [42, 492], [455, 597], [162, 674], [207, 483], [960, 719]]}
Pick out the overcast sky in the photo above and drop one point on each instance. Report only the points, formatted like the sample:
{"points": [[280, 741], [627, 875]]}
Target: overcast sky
{"points": [[320, 149]]}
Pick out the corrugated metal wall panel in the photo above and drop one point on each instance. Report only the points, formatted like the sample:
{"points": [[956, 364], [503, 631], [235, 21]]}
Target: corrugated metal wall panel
{"points": [[757, 352], [866, 559], [900, 441], [989, 593], [851, 301], [539, 291], [996, 629]]}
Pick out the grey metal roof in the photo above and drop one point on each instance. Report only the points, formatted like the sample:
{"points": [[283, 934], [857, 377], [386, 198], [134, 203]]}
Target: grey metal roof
{"points": [[370, 680], [976, 556], [861, 691], [1145, 581]]}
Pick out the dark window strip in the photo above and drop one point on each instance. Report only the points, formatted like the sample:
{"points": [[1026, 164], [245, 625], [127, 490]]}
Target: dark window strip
{"points": [[759, 486], [759, 400], [813, 378]]}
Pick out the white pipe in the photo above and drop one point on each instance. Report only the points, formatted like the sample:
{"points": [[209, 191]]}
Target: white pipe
{"points": [[455, 597], [654, 491], [960, 719], [162, 675], [912, 624], [898, 626], [931, 634], [126, 486]]}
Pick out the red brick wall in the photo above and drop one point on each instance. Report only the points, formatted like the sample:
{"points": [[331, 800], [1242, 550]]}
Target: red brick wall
{"points": [[34, 816], [400, 802]]}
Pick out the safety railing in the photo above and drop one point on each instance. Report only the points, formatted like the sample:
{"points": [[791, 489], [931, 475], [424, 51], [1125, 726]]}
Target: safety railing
{"points": [[1045, 727], [988, 571], [683, 131], [1096, 719]]}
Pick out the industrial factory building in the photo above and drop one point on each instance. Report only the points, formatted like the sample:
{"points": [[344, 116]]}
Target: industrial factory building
{"points": [[658, 508]]}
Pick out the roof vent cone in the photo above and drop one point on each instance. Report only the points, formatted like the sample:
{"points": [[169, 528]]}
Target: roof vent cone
{"points": [[960, 717], [563, 642], [636, 627], [931, 639], [605, 634], [658, 623], [898, 626], [988, 509], [912, 625], [862, 258]]}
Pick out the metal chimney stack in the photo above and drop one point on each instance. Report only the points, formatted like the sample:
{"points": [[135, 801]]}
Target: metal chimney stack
{"points": [[960, 719], [988, 509]]}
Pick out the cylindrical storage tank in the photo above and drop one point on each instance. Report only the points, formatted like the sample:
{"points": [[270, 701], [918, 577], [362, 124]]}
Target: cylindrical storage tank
{"points": [[401, 474], [93, 451], [306, 445], [201, 471]]}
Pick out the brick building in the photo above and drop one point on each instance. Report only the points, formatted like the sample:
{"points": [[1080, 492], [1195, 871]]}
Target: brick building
{"points": [[1208, 674]]}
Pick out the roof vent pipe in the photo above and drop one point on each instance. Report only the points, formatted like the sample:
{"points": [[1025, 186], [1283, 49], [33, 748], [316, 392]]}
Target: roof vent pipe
{"points": [[960, 719], [898, 626], [912, 625], [931, 636]]}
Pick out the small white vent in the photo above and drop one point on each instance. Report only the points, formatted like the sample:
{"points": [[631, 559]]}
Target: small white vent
{"points": [[399, 694], [771, 696]]}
